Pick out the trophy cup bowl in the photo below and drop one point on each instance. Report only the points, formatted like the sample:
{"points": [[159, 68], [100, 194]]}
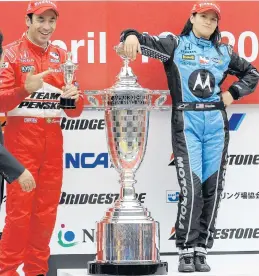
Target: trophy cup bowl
{"points": [[68, 69], [127, 237]]}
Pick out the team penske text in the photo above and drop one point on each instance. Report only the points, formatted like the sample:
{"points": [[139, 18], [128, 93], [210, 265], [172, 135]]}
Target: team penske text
{"points": [[39, 105]]}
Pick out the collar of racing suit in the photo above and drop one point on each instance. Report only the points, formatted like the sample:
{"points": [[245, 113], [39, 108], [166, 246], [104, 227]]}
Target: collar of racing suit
{"points": [[201, 42], [37, 49]]}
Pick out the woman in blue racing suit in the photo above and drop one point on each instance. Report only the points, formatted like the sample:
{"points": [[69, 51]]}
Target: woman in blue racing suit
{"points": [[196, 64]]}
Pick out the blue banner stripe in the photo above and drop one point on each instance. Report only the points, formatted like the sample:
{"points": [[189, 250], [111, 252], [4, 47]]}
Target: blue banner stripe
{"points": [[235, 121]]}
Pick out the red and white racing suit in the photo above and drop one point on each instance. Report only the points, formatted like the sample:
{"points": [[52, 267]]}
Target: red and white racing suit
{"points": [[33, 135]]}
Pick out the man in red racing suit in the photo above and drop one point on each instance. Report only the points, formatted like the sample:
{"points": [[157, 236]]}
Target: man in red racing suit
{"points": [[33, 135]]}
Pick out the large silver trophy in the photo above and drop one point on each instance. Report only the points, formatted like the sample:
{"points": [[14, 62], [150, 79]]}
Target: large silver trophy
{"points": [[128, 238], [68, 69]]}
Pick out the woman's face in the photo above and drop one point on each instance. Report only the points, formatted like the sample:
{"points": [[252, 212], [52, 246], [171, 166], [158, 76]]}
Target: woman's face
{"points": [[204, 24]]}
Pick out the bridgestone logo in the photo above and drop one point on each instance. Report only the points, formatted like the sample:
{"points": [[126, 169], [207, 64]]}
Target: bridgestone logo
{"points": [[73, 199], [232, 233], [237, 233], [81, 124], [240, 159]]}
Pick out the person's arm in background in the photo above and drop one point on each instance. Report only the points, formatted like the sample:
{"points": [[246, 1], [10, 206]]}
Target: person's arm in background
{"points": [[10, 168]]}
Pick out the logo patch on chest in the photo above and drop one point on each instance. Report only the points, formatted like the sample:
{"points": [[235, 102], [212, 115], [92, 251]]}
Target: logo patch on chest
{"points": [[202, 83], [188, 57], [26, 69]]}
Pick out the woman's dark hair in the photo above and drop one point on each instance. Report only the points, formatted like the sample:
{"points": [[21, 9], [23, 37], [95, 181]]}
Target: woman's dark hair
{"points": [[1, 43], [215, 38], [30, 16]]}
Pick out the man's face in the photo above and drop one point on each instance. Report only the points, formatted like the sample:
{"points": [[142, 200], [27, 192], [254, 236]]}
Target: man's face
{"points": [[41, 27]]}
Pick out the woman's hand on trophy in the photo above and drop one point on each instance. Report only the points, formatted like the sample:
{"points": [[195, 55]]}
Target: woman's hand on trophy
{"points": [[70, 92], [131, 47], [120, 49]]}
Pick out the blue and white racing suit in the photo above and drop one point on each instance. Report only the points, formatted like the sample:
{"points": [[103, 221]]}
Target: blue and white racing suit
{"points": [[195, 70]]}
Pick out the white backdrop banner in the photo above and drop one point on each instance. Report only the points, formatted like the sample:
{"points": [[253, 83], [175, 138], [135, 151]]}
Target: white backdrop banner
{"points": [[90, 184]]}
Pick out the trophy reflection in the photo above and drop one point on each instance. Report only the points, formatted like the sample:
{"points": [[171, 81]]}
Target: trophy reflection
{"points": [[128, 238], [68, 69]]}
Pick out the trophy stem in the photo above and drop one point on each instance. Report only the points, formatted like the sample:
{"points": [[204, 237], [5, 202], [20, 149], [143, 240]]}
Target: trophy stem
{"points": [[126, 62], [127, 181]]}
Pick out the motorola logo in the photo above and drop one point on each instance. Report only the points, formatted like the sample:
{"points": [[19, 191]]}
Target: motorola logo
{"points": [[201, 83]]}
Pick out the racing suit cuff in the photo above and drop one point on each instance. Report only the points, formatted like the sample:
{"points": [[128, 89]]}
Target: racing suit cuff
{"points": [[234, 92], [128, 32], [15, 176]]}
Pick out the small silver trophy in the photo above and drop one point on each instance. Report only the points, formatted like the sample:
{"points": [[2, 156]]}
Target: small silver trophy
{"points": [[68, 69], [128, 238]]}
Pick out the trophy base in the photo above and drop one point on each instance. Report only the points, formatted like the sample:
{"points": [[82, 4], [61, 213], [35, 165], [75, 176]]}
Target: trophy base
{"points": [[127, 268], [66, 103]]}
